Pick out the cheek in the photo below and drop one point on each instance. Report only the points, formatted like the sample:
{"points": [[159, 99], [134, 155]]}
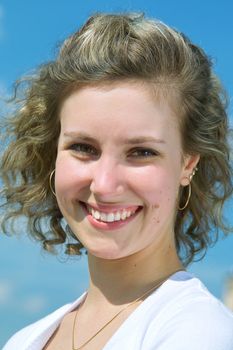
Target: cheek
{"points": [[156, 186], [69, 177]]}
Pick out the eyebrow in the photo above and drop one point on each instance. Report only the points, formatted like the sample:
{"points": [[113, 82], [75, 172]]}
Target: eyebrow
{"points": [[132, 141], [143, 139], [81, 136]]}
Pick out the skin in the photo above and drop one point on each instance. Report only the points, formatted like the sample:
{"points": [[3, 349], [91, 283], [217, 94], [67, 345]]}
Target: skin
{"points": [[106, 169]]}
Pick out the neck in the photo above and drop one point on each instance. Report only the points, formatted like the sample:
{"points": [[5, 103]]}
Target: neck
{"points": [[120, 281]]}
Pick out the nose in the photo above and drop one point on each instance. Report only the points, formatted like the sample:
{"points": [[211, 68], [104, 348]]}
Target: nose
{"points": [[107, 180]]}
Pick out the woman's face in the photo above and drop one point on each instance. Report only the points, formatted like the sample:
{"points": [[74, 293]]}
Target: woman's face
{"points": [[119, 168]]}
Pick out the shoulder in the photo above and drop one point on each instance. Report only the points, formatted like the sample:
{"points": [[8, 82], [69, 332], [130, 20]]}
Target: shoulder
{"points": [[203, 323], [204, 316], [193, 318], [207, 314], [40, 331]]}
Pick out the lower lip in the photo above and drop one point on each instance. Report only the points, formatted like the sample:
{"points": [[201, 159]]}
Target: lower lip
{"points": [[107, 225]]}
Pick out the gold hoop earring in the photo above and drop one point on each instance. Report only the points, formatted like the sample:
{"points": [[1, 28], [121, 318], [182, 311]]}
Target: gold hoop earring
{"points": [[189, 195], [50, 182], [189, 189], [193, 173]]}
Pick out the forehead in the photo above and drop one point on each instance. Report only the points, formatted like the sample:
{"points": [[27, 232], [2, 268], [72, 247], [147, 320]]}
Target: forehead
{"points": [[125, 107]]}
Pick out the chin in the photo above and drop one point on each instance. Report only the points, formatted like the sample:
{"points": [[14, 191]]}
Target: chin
{"points": [[108, 254]]}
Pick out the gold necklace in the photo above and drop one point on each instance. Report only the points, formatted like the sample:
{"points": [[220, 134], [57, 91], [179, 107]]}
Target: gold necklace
{"points": [[118, 313]]}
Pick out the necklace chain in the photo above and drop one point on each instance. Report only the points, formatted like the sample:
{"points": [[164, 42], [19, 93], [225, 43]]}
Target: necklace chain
{"points": [[118, 313]]}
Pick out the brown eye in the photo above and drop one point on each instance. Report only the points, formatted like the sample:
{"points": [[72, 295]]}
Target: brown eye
{"points": [[143, 153], [84, 149]]}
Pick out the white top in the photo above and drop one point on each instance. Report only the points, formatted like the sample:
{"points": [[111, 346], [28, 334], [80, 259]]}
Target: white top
{"points": [[182, 314]]}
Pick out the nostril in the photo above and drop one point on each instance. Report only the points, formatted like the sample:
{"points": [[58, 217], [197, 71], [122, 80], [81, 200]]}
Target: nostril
{"points": [[106, 182]]}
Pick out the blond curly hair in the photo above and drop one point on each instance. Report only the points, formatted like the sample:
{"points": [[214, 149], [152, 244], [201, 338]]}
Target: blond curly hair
{"points": [[109, 48]]}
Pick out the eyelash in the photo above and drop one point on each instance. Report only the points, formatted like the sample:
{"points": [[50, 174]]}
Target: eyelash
{"points": [[84, 149], [143, 153], [87, 151]]}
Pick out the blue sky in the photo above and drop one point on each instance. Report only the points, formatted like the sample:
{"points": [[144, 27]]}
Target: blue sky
{"points": [[32, 283]]}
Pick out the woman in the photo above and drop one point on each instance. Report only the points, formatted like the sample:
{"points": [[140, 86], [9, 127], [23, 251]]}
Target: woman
{"points": [[124, 138]]}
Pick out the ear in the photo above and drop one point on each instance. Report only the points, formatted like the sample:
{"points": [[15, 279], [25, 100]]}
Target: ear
{"points": [[190, 162]]}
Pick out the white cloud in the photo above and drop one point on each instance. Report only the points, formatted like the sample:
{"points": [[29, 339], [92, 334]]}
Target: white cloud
{"points": [[3, 89], [5, 292], [34, 304], [5, 108]]}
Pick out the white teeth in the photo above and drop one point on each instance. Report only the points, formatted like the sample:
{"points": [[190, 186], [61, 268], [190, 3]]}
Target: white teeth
{"points": [[124, 215], [117, 216], [96, 214], [110, 217], [103, 217]]}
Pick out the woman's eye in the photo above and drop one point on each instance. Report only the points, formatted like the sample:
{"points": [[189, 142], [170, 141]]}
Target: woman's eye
{"points": [[143, 153], [84, 149]]}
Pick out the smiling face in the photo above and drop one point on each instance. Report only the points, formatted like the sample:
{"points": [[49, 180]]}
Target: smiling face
{"points": [[119, 168]]}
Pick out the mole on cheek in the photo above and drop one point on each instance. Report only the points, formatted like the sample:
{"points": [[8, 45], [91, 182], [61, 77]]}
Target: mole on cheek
{"points": [[156, 220]]}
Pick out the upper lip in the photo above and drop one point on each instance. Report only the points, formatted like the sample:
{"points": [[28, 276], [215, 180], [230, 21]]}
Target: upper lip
{"points": [[107, 208]]}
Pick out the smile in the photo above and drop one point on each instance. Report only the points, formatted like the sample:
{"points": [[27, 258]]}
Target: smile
{"points": [[112, 216], [107, 215]]}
